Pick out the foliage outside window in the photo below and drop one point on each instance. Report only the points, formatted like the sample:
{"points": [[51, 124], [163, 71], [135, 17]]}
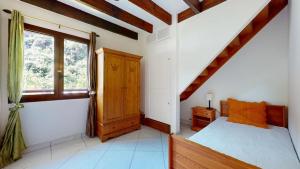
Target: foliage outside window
{"points": [[75, 65], [39, 62], [56, 65]]}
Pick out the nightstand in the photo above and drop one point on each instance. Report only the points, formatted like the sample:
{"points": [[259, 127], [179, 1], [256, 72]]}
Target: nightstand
{"points": [[201, 117]]}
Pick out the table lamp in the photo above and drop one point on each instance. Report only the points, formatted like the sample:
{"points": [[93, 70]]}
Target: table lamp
{"points": [[209, 97]]}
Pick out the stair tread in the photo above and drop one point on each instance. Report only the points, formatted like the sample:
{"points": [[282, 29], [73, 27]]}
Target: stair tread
{"points": [[263, 15], [224, 54], [204, 73], [213, 64], [235, 42], [247, 30]]}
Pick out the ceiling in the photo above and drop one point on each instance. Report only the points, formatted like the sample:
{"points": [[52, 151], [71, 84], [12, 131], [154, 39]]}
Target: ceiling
{"points": [[172, 6]]}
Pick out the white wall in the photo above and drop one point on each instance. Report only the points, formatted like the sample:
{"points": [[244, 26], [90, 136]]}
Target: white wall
{"points": [[160, 78], [294, 72], [174, 62], [204, 36], [46, 121], [257, 72]]}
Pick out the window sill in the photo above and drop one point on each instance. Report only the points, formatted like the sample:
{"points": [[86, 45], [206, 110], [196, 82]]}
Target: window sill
{"points": [[53, 97]]}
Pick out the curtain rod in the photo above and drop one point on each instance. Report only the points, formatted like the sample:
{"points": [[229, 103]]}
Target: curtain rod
{"points": [[59, 25]]}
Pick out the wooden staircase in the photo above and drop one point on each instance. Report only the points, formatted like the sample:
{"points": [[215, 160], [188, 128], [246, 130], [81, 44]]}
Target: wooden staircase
{"points": [[259, 22]]}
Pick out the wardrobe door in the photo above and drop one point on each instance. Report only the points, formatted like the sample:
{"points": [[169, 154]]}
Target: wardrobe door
{"points": [[132, 87], [113, 86]]}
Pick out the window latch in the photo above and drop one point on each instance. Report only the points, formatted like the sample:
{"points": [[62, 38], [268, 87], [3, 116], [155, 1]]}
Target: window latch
{"points": [[60, 75]]}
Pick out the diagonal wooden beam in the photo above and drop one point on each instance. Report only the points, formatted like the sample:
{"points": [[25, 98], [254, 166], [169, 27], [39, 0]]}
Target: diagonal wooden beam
{"points": [[194, 5], [154, 9], [205, 4], [118, 13], [66, 10]]}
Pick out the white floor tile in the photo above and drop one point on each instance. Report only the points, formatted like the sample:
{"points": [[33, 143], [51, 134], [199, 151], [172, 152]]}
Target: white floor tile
{"points": [[148, 160], [115, 160], [32, 160], [83, 160], [38, 159], [124, 145], [20, 164], [166, 159], [165, 141], [149, 144], [141, 149], [95, 144], [63, 152], [50, 165], [185, 131], [129, 136], [148, 132]]}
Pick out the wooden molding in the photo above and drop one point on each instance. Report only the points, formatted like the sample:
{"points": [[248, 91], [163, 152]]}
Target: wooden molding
{"points": [[142, 118], [194, 5], [163, 127], [154, 9], [119, 13], [66, 10], [185, 15]]}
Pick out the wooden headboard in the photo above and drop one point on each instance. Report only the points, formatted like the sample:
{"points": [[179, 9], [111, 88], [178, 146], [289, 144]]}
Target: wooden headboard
{"points": [[276, 115]]}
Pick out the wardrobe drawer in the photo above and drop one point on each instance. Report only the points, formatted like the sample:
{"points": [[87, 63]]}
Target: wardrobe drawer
{"points": [[131, 122], [119, 125], [109, 128]]}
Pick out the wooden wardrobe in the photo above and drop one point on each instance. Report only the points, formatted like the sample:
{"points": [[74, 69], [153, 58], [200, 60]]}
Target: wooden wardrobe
{"points": [[118, 93]]}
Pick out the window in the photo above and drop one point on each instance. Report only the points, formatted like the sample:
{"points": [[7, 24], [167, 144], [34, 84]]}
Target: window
{"points": [[55, 65], [75, 65], [38, 62]]}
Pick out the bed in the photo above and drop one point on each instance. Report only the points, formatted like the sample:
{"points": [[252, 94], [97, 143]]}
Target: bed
{"points": [[225, 145]]}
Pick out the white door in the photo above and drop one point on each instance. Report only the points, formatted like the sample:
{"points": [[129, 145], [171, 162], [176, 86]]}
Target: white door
{"points": [[159, 72]]}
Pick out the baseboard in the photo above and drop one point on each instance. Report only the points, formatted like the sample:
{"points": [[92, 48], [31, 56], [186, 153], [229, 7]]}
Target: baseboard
{"points": [[163, 127]]}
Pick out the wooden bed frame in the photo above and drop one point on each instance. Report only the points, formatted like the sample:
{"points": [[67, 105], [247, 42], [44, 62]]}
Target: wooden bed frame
{"points": [[185, 154]]}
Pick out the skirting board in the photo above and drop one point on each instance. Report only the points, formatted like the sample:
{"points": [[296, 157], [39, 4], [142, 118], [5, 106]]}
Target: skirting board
{"points": [[163, 127]]}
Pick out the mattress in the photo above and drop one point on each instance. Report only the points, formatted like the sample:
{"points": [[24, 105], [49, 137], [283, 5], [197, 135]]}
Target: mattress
{"points": [[270, 148]]}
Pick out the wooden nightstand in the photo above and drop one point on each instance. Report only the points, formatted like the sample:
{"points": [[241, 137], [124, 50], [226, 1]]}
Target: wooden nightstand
{"points": [[201, 117]]}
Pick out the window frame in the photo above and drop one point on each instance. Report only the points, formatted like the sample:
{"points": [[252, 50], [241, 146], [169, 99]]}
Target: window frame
{"points": [[58, 92]]}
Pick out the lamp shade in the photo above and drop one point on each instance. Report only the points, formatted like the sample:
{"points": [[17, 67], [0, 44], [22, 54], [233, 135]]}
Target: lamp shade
{"points": [[209, 96]]}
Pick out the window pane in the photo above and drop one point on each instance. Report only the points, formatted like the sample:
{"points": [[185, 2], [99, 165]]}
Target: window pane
{"points": [[38, 62], [75, 65]]}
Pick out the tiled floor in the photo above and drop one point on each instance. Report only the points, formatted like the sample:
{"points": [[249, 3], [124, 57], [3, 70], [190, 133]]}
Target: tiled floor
{"points": [[143, 149], [186, 131]]}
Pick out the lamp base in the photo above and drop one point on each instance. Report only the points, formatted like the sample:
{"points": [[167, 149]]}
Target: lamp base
{"points": [[209, 108]]}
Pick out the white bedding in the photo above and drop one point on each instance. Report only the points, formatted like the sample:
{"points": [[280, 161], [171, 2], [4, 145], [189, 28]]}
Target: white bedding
{"points": [[265, 148]]}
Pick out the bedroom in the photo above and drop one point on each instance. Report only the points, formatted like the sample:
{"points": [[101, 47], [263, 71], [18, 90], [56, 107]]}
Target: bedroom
{"points": [[247, 50]]}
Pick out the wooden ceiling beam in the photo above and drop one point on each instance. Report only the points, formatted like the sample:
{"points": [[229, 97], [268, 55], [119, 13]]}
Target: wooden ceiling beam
{"points": [[154, 9], [118, 13], [204, 5], [66, 10], [194, 5]]}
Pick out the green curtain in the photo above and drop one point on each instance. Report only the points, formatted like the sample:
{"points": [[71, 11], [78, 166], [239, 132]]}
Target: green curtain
{"points": [[13, 144]]}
